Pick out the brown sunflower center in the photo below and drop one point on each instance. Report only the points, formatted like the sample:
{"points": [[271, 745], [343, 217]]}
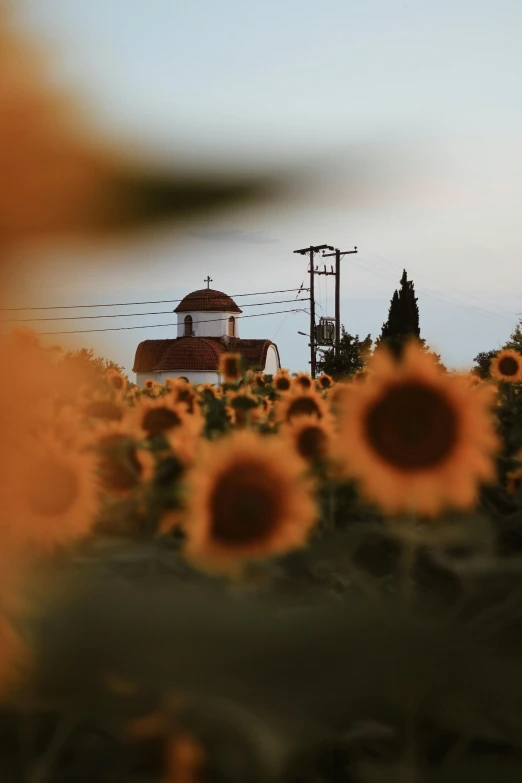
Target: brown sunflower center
{"points": [[508, 366], [120, 467], [245, 506], [303, 406], [325, 382], [186, 396], [231, 367], [159, 420], [282, 383], [52, 488], [412, 426], [117, 382], [104, 409], [304, 381], [312, 443]]}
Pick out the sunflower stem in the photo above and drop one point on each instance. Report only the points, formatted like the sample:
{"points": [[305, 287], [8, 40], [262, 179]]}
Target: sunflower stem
{"points": [[407, 560]]}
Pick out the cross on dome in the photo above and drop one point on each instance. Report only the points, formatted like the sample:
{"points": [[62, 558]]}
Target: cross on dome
{"points": [[208, 280]]}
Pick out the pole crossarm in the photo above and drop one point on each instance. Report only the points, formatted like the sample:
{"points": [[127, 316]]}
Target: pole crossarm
{"points": [[315, 249], [341, 252], [310, 251]]}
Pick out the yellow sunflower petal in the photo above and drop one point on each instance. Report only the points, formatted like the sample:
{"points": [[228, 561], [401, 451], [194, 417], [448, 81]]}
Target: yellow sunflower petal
{"points": [[415, 438], [248, 497]]}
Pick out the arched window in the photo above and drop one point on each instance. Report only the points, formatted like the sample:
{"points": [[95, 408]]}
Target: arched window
{"points": [[188, 326], [231, 326]]}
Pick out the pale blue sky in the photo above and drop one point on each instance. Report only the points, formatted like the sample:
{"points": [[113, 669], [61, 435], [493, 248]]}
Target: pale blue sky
{"points": [[408, 115]]}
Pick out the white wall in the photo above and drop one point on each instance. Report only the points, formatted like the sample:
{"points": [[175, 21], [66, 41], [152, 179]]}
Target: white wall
{"points": [[207, 324], [271, 363], [195, 376]]}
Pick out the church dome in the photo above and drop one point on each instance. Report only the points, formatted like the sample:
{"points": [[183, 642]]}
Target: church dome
{"points": [[207, 299]]}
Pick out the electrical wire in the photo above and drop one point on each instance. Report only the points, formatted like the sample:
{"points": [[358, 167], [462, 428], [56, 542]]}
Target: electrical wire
{"points": [[126, 315], [437, 294], [153, 326], [286, 316], [443, 285], [429, 291], [130, 304]]}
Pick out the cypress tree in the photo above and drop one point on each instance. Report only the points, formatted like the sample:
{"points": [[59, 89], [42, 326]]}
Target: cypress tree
{"points": [[403, 317]]}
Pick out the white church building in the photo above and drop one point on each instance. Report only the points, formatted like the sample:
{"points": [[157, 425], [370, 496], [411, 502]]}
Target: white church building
{"points": [[207, 327]]}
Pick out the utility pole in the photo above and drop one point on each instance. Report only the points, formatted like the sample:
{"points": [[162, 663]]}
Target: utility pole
{"points": [[304, 251], [338, 253]]}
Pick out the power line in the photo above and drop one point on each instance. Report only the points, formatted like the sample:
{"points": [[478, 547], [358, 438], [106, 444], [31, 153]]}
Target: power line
{"points": [[283, 321], [437, 294], [126, 315], [130, 304], [153, 326], [443, 285]]}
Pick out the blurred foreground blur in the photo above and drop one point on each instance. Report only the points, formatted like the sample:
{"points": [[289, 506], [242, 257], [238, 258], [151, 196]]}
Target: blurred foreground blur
{"points": [[254, 581], [61, 180]]}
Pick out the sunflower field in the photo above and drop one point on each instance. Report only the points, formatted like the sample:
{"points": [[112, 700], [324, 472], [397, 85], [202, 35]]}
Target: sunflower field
{"points": [[274, 580]]}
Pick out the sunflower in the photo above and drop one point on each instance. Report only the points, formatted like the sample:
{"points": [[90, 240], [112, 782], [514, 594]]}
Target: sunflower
{"points": [[208, 390], [116, 381], [152, 386], [416, 439], [301, 404], [50, 494], [158, 417], [185, 440], [325, 381], [102, 408], [302, 381], [185, 393], [122, 463], [259, 379], [311, 438], [506, 366], [282, 381], [230, 367], [248, 497], [243, 408]]}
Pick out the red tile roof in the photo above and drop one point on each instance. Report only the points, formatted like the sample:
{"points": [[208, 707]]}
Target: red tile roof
{"points": [[207, 299], [148, 354], [198, 353], [190, 353], [253, 351]]}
